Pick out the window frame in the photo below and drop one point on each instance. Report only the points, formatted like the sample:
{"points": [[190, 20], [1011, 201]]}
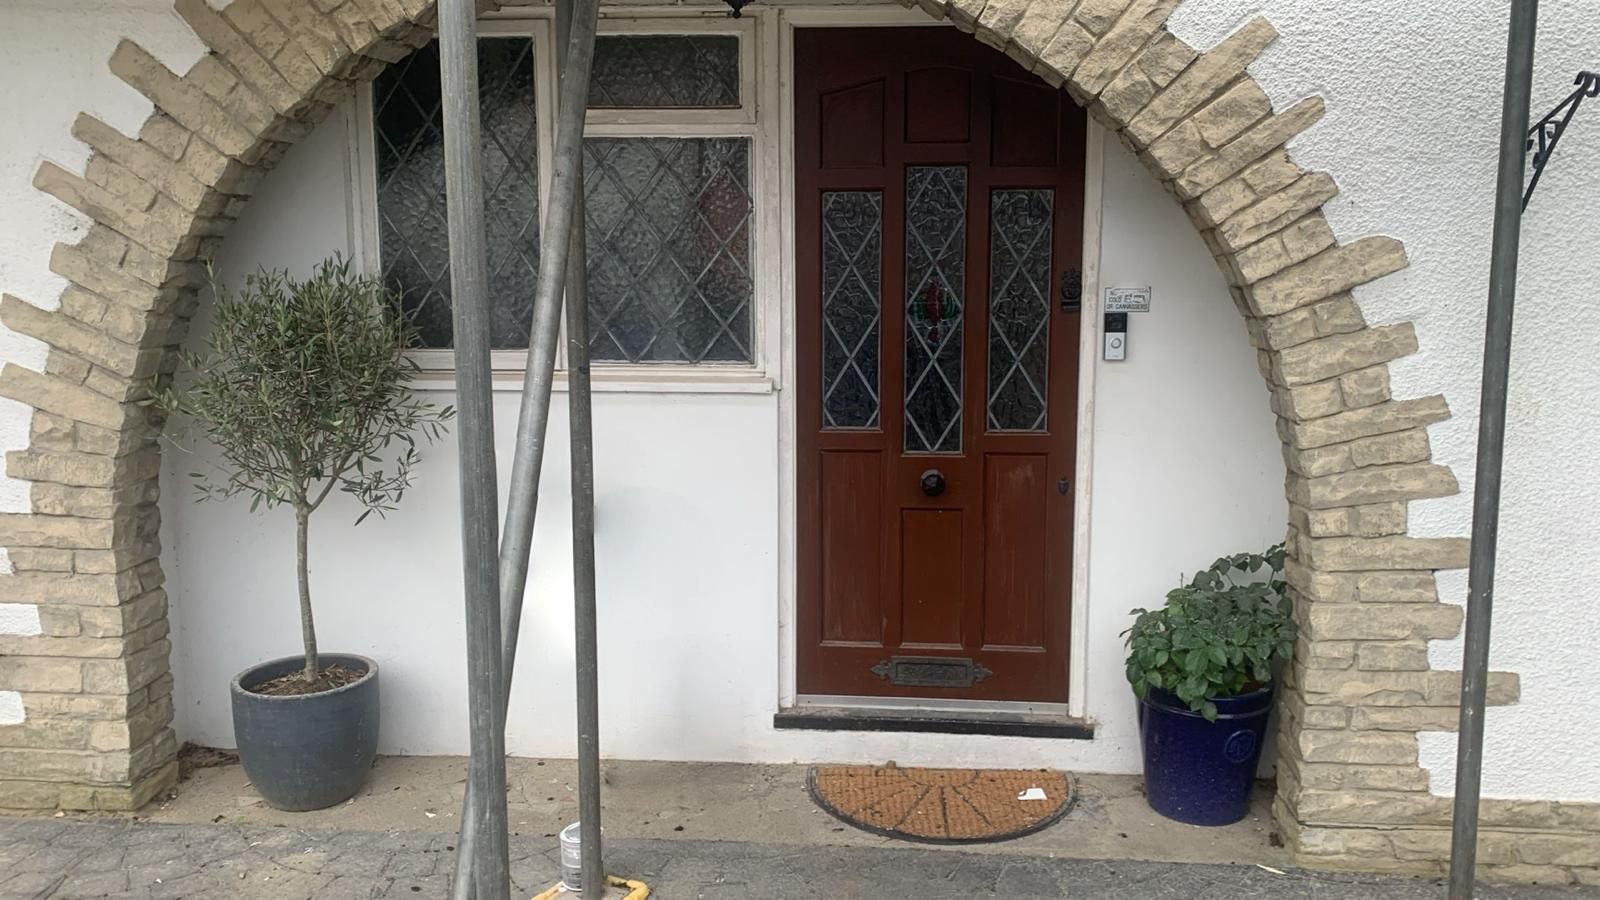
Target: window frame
{"points": [[745, 121]]}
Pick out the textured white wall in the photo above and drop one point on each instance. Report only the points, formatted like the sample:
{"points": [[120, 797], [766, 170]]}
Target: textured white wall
{"points": [[1411, 134]]}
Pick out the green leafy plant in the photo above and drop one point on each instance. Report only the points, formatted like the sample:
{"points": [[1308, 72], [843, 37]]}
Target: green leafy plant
{"points": [[1218, 635], [302, 387]]}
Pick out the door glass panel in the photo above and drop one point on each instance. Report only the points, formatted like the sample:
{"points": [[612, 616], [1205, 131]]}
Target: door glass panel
{"points": [[1019, 308], [852, 242], [936, 269]]}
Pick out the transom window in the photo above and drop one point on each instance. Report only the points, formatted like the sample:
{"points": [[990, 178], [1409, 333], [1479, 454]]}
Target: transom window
{"points": [[669, 211]]}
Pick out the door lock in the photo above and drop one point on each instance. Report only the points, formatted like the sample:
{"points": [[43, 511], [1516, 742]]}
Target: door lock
{"points": [[1072, 290], [1063, 487]]}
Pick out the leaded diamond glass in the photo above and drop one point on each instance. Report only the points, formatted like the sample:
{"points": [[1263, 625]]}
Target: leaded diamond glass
{"points": [[1019, 308], [408, 136], [665, 71], [936, 270], [852, 266], [669, 249]]}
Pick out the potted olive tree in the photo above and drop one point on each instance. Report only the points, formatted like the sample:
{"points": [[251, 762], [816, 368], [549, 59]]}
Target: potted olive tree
{"points": [[302, 389], [1202, 668]]}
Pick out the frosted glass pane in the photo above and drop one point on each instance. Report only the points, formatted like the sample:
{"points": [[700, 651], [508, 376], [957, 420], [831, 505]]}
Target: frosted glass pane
{"points": [[1019, 308], [665, 71], [936, 271], [852, 264], [408, 139], [669, 249]]}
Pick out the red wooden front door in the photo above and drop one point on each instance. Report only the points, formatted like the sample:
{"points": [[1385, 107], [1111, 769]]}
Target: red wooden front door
{"points": [[939, 197]]}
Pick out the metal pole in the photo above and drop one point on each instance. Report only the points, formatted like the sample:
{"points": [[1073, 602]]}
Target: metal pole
{"points": [[534, 415], [458, 77], [1491, 443], [581, 418]]}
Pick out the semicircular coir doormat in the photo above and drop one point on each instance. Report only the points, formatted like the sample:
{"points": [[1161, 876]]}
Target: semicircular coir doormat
{"points": [[943, 806]]}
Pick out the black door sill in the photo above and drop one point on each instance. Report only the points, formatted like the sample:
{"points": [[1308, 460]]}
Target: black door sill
{"points": [[840, 718]]}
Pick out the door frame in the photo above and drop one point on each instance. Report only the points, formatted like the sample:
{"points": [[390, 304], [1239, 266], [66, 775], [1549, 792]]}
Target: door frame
{"points": [[779, 30]]}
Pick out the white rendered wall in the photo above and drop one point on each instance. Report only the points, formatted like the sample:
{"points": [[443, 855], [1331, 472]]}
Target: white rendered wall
{"points": [[1411, 134]]}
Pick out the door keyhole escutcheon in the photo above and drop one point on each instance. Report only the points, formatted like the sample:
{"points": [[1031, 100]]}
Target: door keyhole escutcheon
{"points": [[933, 482]]}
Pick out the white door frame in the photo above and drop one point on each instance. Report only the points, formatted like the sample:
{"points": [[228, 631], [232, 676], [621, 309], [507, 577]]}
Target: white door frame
{"points": [[777, 34]]}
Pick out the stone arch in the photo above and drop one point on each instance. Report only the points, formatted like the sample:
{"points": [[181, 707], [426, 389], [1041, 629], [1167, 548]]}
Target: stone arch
{"points": [[1350, 790]]}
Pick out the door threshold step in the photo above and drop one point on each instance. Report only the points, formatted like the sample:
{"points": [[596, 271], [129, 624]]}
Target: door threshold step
{"points": [[855, 718]]}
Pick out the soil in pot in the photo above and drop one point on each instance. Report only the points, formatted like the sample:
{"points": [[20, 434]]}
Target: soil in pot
{"points": [[295, 684]]}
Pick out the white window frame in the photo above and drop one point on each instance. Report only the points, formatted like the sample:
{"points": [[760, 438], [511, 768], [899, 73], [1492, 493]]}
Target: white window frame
{"points": [[757, 95]]}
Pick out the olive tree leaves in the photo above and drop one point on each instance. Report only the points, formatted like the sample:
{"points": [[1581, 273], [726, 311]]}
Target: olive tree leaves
{"points": [[303, 388], [1218, 636]]}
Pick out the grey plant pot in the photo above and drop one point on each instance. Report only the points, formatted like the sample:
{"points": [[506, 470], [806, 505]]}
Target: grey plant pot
{"points": [[311, 751]]}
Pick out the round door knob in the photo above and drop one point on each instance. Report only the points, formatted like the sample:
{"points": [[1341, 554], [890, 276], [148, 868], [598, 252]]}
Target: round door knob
{"points": [[933, 482]]}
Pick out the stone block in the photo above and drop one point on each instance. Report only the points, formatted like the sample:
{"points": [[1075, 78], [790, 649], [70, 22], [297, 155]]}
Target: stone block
{"points": [[1259, 179], [1339, 777], [1342, 354], [1386, 553], [58, 532], [1356, 747], [1276, 211], [1032, 33], [36, 674], [1308, 401], [1117, 47], [1328, 273], [999, 18], [1372, 807], [1202, 80], [1352, 687], [1060, 57], [29, 560], [318, 40], [1376, 484], [67, 334], [1381, 622], [1365, 387], [1266, 136], [124, 675], [1404, 718], [1400, 655], [1396, 587], [54, 395], [1381, 419], [184, 102], [39, 733], [87, 707]]}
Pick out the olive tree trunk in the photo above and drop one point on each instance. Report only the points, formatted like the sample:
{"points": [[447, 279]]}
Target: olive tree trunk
{"points": [[308, 629]]}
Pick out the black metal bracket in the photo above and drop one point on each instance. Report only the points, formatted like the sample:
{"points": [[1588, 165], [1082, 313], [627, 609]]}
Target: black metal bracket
{"points": [[735, 8], [1545, 133]]}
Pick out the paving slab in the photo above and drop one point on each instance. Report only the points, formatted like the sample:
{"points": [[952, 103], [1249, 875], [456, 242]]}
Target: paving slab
{"points": [[74, 858]]}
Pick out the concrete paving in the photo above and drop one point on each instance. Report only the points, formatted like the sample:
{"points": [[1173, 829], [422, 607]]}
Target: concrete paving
{"points": [[691, 830], [68, 859], [764, 804]]}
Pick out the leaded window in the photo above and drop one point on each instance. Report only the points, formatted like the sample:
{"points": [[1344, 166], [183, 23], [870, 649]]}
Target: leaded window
{"points": [[669, 219], [408, 143], [669, 249]]}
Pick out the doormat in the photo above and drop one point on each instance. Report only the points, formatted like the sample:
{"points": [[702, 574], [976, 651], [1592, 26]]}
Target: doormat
{"points": [[943, 806]]}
